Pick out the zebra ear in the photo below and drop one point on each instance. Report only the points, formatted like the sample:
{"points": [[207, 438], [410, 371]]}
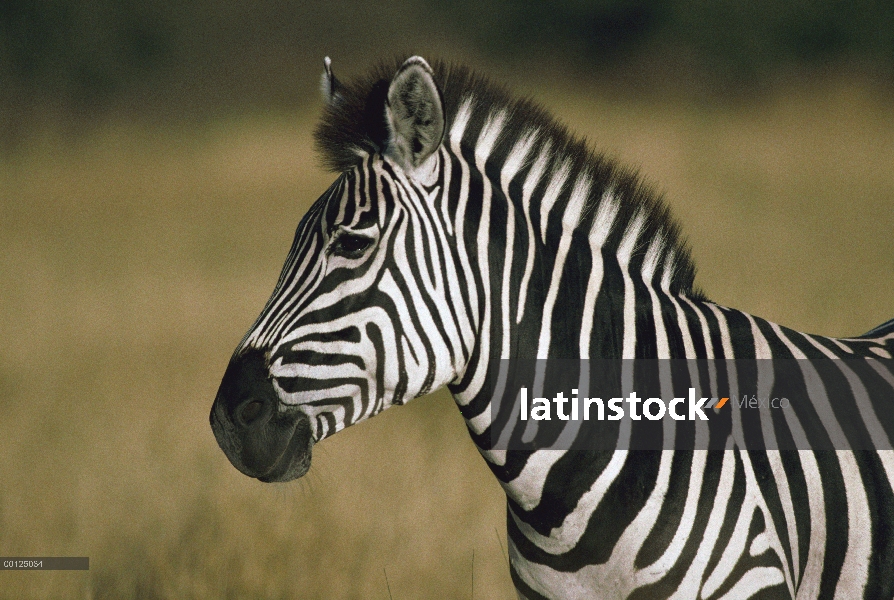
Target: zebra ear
{"points": [[414, 113], [329, 85]]}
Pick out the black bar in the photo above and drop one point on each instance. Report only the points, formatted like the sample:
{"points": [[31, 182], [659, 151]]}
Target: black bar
{"points": [[44, 563]]}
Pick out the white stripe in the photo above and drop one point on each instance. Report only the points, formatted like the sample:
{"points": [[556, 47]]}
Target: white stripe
{"points": [[460, 121], [551, 194], [516, 160], [725, 338], [752, 582], [625, 251], [844, 347], [569, 222], [599, 232], [651, 259], [510, 168], [706, 332], [650, 265], [445, 204], [486, 140], [531, 181]]}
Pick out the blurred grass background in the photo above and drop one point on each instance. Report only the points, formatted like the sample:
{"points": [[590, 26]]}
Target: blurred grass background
{"points": [[156, 157]]}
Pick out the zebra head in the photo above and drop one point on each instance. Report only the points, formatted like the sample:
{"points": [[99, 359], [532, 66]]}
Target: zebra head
{"points": [[361, 317]]}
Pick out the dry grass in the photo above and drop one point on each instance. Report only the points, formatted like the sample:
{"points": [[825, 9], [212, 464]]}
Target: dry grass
{"points": [[133, 260]]}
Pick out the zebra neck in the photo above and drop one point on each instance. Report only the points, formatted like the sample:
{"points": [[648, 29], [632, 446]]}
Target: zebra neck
{"points": [[563, 263], [560, 249]]}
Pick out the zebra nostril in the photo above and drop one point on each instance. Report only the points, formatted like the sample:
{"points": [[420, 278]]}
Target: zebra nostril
{"points": [[250, 411]]}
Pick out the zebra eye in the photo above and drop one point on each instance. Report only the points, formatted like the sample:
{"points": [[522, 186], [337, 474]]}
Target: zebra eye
{"points": [[351, 245]]}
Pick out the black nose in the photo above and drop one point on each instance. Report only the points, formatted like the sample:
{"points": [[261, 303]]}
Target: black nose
{"points": [[262, 437], [246, 393]]}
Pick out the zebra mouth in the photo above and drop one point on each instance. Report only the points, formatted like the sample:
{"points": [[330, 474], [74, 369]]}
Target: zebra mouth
{"points": [[295, 459], [278, 449]]}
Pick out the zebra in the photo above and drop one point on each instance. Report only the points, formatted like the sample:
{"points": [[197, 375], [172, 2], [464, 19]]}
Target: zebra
{"points": [[467, 226]]}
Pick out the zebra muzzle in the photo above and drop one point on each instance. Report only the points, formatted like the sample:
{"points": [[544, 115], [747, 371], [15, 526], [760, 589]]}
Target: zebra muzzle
{"points": [[261, 437]]}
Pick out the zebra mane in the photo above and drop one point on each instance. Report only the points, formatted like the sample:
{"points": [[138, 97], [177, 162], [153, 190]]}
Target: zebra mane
{"points": [[353, 126]]}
